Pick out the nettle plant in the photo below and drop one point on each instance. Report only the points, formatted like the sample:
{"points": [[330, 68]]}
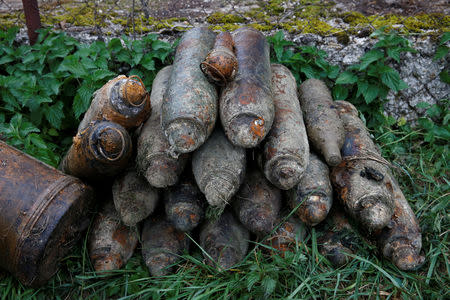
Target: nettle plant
{"points": [[367, 83], [45, 88]]}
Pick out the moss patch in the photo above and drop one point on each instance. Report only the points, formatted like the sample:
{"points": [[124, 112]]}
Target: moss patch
{"points": [[221, 18]]}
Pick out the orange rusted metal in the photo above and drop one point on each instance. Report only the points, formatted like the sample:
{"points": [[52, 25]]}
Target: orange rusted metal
{"points": [[102, 148], [42, 213], [288, 235], [220, 65], [123, 100]]}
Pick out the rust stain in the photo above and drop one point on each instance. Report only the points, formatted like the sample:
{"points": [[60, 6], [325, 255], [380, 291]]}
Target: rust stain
{"points": [[121, 235], [257, 127], [189, 141]]}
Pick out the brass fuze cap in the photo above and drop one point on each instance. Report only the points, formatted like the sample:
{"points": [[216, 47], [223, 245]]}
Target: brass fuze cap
{"points": [[133, 91]]}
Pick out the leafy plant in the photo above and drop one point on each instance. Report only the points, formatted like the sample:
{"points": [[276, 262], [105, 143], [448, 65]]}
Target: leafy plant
{"points": [[441, 52], [45, 88], [304, 61], [367, 83]]}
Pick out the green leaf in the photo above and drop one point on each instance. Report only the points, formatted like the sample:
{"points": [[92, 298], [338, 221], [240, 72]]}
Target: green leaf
{"points": [[445, 38], [391, 78], [371, 93], [51, 85], [148, 63], [72, 64], [340, 92], [269, 285], [346, 77], [38, 141], [54, 114], [34, 103], [394, 53], [27, 128], [82, 99], [6, 59], [423, 105], [102, 74], [308, 71], [362, 88], [370, 57], [441, 52], [444, 76], [115, 45]]}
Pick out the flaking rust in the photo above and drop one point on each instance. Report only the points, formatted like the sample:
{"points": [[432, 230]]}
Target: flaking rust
{"points": [[288, 235], [101, 149], [224, 240], [337, 238], [42, 215], [286, 148], [246, 105], [220, 65], [325, 129], [219, 168], [189, 110], [162, 244], [123, 100], [153, 158], [111, 243], [184, 204], [401, 240], [133, 197], [313, 196], [361, 180], [258, 203]]}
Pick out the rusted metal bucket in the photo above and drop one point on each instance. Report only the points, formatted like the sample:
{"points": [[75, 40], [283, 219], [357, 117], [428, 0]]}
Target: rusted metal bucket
{"points": [[42, 213]]}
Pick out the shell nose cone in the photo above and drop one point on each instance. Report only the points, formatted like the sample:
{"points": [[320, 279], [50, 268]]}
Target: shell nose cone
{"points": [[133, 92], [185, 135], [407, 259]]}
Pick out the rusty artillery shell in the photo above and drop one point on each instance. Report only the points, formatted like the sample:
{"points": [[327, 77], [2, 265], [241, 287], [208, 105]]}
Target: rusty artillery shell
{"points": [[289, 233], [225, 241], [246, 105], [42, 213], [162, 244], [286, 147], [313, 196], [220, 65], [361, 180], [133, 197], [325, 129], [184, 204], [189, 110], [257, 203], [153, 158], [337, 238], [111, 243], [219, 168], [122, 100], [102, 148], [401, 240]]}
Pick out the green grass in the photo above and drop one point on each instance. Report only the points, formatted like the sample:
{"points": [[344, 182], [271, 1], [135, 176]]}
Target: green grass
{"points": [[420, 155]]}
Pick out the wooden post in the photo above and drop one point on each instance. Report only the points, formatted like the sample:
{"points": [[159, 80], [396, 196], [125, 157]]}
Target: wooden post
{"points": [[32, 18]]}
